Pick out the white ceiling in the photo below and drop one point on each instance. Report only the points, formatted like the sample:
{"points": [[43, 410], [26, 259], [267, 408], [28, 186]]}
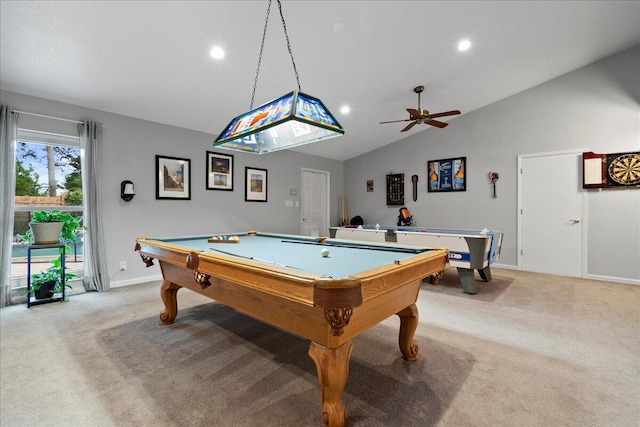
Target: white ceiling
{"points": [[149, 59]]}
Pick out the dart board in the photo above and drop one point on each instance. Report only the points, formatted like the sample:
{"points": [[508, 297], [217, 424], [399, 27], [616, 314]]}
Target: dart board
{"points": [[623, 169]]}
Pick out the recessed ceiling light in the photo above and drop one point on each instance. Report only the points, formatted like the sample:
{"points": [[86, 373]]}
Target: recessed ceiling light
{"points": [[345, 109], [464, 45], [216, 52]]}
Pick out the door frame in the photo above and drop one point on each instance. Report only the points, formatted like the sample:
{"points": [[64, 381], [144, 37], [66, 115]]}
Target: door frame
{"points": [[584, 255], [327, 213]]}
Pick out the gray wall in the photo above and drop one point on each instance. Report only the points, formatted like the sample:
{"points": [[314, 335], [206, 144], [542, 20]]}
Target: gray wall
{"points": [[595, 108], [129, 147]]}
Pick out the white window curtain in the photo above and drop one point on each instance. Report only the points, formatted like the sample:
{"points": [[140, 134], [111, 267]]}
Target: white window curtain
{"points": [[8, 132], [95, 275]]}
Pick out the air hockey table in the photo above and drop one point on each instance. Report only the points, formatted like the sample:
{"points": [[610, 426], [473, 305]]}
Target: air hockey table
{"points": [[469, 250]]}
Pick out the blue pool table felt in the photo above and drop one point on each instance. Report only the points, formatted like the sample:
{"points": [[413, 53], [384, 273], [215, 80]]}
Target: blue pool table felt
{"points": [[281, 250]]}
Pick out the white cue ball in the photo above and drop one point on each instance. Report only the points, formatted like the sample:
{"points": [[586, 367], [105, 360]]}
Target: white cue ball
{"points": [[324, 252]]}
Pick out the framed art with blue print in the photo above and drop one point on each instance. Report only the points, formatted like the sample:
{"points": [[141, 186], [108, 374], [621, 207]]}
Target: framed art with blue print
{"points": [[447, 175]]}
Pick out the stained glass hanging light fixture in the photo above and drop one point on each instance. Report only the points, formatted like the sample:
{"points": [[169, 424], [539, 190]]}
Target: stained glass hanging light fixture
{"points": [[292, 120]]}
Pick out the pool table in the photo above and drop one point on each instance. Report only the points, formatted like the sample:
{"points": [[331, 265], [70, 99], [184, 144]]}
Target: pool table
{"points": [[284, 280], [468, 249]]}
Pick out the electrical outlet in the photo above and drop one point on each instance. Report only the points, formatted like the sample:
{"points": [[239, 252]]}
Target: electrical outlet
{"points": [[123, 265]]}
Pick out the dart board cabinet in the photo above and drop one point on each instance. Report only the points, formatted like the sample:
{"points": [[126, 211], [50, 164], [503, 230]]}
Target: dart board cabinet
{"points": [[611, 170]]}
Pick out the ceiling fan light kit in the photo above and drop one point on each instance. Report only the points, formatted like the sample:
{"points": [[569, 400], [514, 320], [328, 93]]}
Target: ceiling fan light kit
{"points": [[420, 116]]}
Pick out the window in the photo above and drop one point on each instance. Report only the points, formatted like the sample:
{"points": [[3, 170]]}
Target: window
{"points": [[48, 176]]}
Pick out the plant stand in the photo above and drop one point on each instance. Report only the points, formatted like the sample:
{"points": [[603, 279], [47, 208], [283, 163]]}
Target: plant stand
{"points": [[62, 265]]}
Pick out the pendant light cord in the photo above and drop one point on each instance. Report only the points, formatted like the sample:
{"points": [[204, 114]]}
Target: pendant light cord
{"points": [[264, 36]]}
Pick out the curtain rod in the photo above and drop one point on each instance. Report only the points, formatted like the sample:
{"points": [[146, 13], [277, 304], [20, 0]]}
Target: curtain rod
{"points": [[46, 117]]}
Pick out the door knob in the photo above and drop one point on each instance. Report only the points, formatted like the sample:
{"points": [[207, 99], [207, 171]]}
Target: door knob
{"points": [[574, 221]]}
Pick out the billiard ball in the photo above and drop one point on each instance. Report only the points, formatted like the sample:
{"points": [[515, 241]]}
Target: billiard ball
{"points": [[324, 252]]}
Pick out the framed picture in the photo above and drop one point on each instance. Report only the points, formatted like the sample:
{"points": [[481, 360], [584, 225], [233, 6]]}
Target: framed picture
{"points": [[173, 178], [255, 186], [369, 185], [447, 174], [219, 171]]}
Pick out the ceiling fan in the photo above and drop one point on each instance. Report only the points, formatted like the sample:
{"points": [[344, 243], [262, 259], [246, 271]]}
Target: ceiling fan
{"points": [[421, 116]]}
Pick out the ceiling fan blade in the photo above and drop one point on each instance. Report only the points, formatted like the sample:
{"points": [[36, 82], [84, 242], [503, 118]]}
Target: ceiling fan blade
{"points": [[413, 113], [436, 123], [446, 113], [396, 121], [409, 126]]}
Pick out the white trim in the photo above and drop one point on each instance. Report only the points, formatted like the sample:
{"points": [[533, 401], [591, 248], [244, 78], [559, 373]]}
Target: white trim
{"points": [[30, 135], [26, 113], [61, 208], [135, 281], [587, 277], [613, 279], [584, 230], [505, 266]]}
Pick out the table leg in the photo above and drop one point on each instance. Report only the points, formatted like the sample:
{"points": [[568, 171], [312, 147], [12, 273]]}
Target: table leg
{"points": [[408, 326], [485, 273], [435, 277], [168, 293], [332, 365], [467, 280]]}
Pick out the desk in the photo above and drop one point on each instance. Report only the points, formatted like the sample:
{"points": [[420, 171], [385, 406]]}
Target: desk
{"points": [[468, 249], [284, 281]]}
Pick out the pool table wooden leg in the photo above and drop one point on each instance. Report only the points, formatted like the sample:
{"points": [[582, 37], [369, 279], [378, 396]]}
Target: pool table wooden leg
{"points": [[333, 370], [408, 326], [435, 277], [168, 293]]}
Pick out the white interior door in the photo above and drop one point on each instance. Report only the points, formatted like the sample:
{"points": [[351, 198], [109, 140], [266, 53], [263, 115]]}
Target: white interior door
{"points": [[551, 206], [315, 203]]}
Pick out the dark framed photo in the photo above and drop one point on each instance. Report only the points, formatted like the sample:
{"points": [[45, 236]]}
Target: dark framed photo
{"points": [[219, 171], [447, 174], [173, 178], [369, 185], [255, 186]]}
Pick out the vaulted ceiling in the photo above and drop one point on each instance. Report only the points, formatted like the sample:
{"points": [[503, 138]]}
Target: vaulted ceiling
{"points": [[150, 59]]}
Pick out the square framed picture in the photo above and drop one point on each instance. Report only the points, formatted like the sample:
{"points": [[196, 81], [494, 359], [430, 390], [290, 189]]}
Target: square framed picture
{"points": [[173, 178], [255, 186], [447, 175], [219, 171]]}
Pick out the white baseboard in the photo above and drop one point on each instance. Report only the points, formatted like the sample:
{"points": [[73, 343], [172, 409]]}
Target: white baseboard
{"points": [[588, 276], [135, 281], [505, 266], [613, 279]]}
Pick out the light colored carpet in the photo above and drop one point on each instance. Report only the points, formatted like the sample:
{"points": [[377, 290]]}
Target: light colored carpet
{"points": [[528, 350]]}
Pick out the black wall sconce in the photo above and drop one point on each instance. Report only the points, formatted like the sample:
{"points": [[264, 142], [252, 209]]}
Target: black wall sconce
{"points": [[126, 190], [493, 177]]}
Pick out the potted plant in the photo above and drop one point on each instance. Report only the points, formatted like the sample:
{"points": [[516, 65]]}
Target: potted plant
{"points": [[49, 282], [50, 227]]}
